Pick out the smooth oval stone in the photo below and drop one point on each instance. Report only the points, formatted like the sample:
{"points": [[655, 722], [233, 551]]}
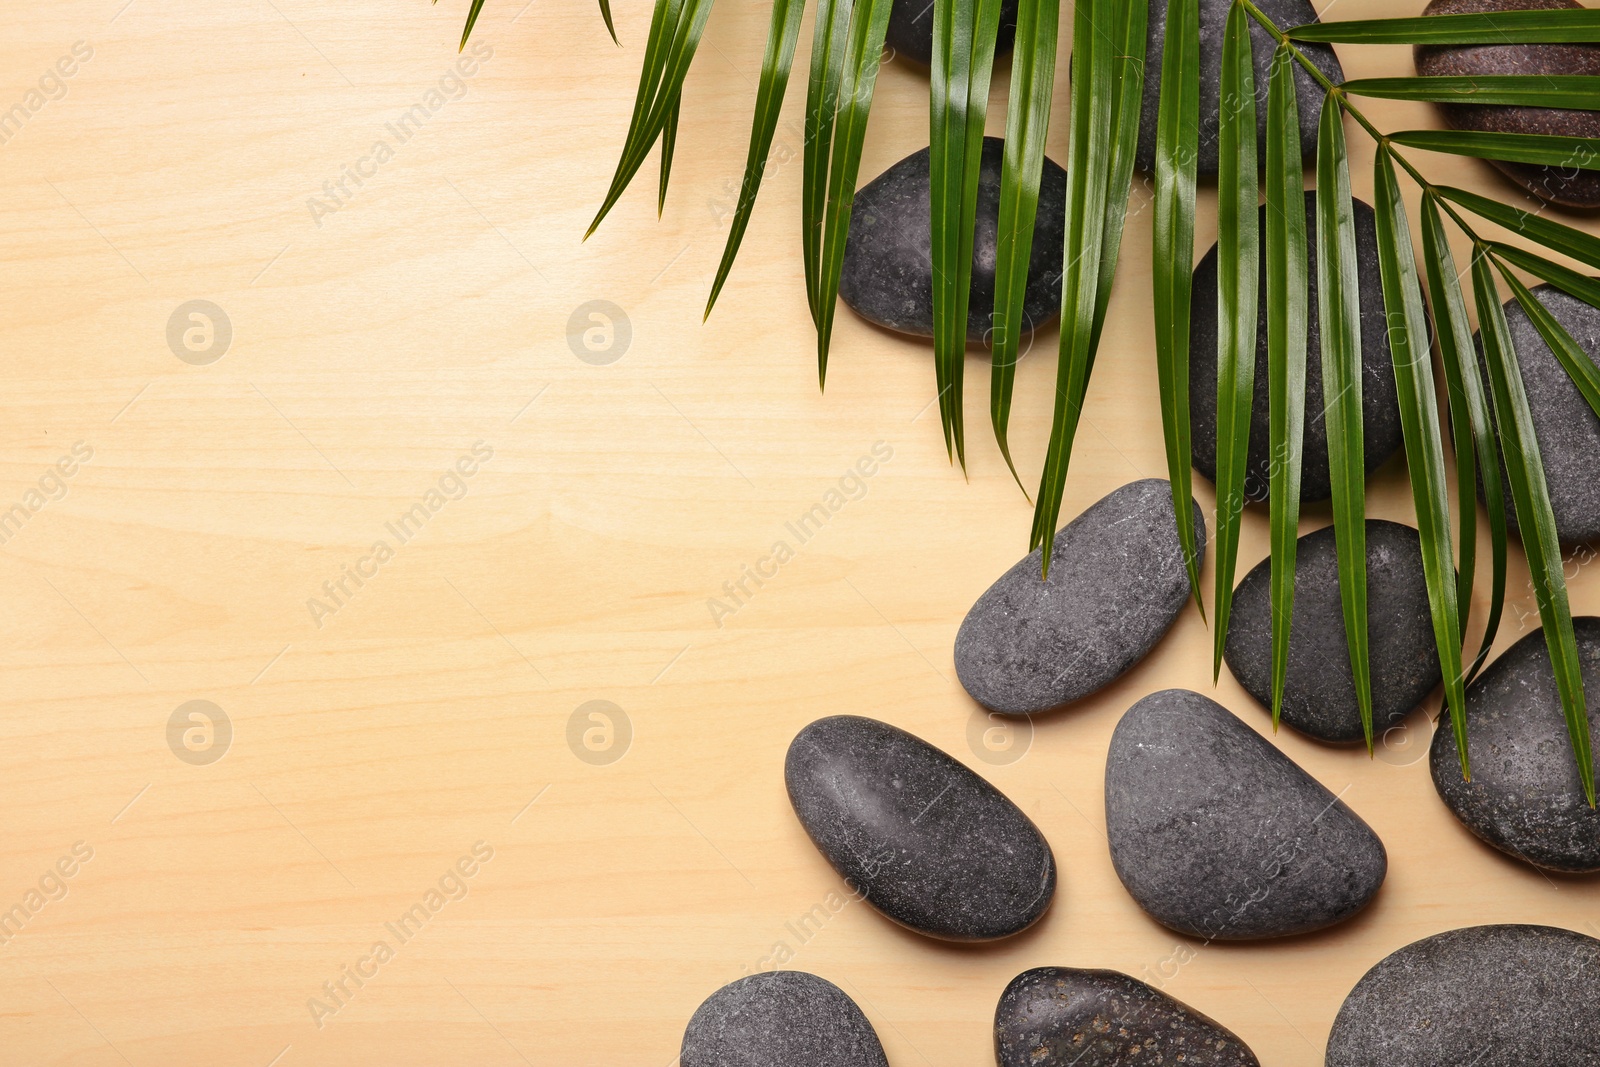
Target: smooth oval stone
{"points": [[922, 838], [1484, 996], [1563, 422], [1380, 408], [887, 276], [1219, 835], [1319, 692], [910, 30], [1572, 186], [1067, 1017], [1526, 795], [780, 1019], [1117, 583], [1213, 17]]}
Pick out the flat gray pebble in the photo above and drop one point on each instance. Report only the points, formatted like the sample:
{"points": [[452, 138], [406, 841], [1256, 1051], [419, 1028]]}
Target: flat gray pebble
{"points": [[1117, 583], [922, 838], [1319, 692], [1526, 796], [1213, 18], [1571, 186], [887, 276], [780, 1019], [1068, 1017], [1563, 422], [1219, 835], [1484, 996], [1380, 409]]}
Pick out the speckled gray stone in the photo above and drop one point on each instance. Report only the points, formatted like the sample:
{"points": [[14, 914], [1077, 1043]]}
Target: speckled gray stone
{"points": [[887, 277], [1319, 693], [1563, 422], [1526, 795], [1219, 835], [922, 838], [1117, 583], [910, 30], [1484, 996], [780, 1019], [1067, 1017], [1380, 410], [1568, 185], [1213, 17]]}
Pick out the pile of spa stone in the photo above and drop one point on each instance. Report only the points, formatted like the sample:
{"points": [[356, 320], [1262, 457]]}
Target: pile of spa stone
{"points": [[1212, 830]]}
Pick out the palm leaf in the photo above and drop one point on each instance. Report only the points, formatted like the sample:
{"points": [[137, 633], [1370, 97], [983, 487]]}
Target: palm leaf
{"points": [[830, 38], [1033, 67], [1534, 517], [963, 57], [1288, 303], [1506, 147], [472, 20], [1419, 424], [1089, 146], [1499, 27], [675, 31], [1567, 280], [868, 21], [1579, 367], [1238, 252], [775, 67], [1129, 32], [669, 142], [1339, 316], [1477, 457], [605, 13], [1578, 91], [1553, 235], [1172, 259]]}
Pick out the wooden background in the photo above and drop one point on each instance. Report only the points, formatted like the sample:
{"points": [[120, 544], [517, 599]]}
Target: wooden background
{"points": [[374, 745]]}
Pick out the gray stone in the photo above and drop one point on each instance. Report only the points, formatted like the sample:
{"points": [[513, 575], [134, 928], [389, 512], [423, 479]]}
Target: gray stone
{"points": [[1380, 408], [910, 30], [1213, 18], [887, 277], [1117, 583], [1067, 1017], [1484, 996], [780, 1019], [1526, 796], [1219, 835], [1563, 422], [1572, 186], [1319, 692], [916, 834]]}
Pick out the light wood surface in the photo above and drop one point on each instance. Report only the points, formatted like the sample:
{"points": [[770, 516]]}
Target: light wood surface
{"points": [[373, 347]]}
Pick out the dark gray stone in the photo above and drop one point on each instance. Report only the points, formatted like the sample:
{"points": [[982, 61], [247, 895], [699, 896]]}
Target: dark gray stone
{"points": [[1563, 422], [1067, 1017], [1380, 408], [910, 31], [780, 1019], [887, 277], [1213, 18], [1319, 693], [1219, 835], [1526, 796], [1484, 996], [1572, 186], [918, 835], [1117, 583]]}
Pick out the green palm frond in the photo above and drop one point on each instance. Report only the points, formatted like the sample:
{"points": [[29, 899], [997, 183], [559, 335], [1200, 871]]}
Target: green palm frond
{"points": [[1490, 428]]}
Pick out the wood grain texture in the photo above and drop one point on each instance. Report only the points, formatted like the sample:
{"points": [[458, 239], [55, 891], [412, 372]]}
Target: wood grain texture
{"points": [[374, 346]]}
